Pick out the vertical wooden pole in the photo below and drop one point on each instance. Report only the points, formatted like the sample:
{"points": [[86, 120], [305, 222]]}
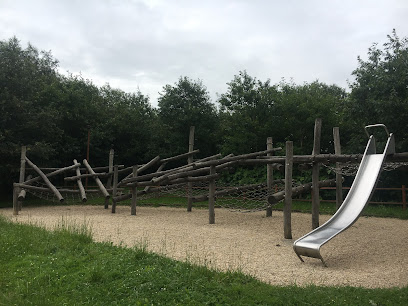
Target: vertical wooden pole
{"points": [[339, 181], [211, 197], [115, 187], [315, 174], [15, 201], [287, 209], [22, 173], [87, 154], [110, 169], [134, 194], [190, 161], [404, 198], [269, 175]]}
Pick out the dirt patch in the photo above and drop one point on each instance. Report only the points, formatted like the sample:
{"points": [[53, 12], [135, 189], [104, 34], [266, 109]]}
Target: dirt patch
{"points": [[373, 253]]}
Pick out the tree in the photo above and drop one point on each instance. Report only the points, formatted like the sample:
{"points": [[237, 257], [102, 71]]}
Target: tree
{"points": [[379, 93], [247, 114], [252, 110], [28, 91], [186, 103]]}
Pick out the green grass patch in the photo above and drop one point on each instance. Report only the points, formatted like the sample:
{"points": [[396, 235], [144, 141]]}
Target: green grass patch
{"points": [[64, 267]]}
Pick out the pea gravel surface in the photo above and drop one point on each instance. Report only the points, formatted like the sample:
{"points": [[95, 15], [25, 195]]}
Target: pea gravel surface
{"points": [[373, 253]]}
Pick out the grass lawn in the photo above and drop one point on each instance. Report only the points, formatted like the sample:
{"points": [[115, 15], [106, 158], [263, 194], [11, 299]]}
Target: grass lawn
{"points": [[65, 267]]}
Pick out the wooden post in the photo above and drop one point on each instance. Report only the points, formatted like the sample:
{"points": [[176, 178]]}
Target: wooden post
{"points": [[339, 179], [87, 153], [22, 173], [110, 169], [315, 174], [269, 175], [404, 198], [134, 194], [115, 187], [211, 197], [190, 161], [15, 201], [287, 209]]}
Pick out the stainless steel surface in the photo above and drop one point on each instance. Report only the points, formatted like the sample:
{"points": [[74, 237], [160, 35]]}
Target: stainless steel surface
{"points": [[376, 125], [357, 198]]}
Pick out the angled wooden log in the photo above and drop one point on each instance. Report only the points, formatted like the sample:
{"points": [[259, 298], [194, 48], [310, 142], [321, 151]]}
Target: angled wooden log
{"points": [[154, 175], [46, 180], [51, 174], [234, 158], [79, 183], [81, 176], [179, 156], [148, 164], [147, 188], [97, 180]]}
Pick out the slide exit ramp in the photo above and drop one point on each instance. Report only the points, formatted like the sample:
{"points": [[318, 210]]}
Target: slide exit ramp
{"points": [[359, 195]]}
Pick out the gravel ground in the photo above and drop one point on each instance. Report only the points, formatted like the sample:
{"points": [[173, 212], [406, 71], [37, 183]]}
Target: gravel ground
{"points": [[372, 253]]}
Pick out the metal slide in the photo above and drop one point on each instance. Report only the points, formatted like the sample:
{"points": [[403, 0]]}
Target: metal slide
{"points": [[357, 198]]}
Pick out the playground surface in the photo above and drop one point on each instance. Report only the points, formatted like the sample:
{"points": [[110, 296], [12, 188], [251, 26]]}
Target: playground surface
{"points": [[373, 253]]}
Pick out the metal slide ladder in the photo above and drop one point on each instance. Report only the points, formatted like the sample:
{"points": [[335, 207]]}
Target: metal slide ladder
{"points": [[359, 195]]}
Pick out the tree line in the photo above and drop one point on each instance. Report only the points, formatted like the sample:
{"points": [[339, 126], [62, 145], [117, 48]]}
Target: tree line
{"points": [[51, 113]]}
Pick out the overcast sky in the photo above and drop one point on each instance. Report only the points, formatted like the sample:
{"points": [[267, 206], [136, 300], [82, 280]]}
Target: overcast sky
{"points": [[147, 44]]}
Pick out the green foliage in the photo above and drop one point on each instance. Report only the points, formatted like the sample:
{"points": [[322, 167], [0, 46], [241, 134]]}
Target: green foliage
{"points": [[379, 92], [253, 110], [186, 104]]}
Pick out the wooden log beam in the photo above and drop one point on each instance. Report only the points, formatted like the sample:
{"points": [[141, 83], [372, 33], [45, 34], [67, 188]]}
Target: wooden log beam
{"points": [[22, 195], [204, 178], [261, 162], [96, 179], [45, 179], [44, 189], [279, 196]]}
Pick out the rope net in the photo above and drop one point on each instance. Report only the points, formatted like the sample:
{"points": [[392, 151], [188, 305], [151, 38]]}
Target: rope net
{"points": [[350, 169], [70, 196]]}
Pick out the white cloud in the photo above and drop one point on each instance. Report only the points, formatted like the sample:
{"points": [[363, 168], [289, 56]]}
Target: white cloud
{"points": [[148, 44]]}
